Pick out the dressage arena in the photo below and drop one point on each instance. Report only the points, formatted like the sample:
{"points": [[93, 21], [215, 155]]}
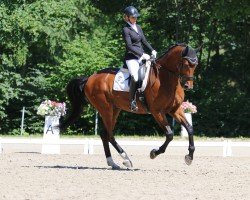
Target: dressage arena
{"points": [[27, 174]]}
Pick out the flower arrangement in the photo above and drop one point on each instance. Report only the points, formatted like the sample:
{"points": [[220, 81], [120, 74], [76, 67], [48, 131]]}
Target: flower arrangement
{"points": [[52, 108], [188, 107]]}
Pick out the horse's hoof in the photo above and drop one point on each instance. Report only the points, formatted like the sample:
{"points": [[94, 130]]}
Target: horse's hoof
{"points": [[188, 160], [153, 154], [127, 163], [115, 167]]}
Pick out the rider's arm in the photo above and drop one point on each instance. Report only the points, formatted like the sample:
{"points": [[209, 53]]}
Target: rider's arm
{"points": [[144, 41]]}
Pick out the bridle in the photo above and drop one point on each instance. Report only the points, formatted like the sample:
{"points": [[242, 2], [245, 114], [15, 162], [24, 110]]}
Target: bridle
{"points": [[182, 77]]}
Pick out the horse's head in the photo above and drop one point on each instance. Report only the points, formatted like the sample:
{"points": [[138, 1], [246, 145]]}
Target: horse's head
{"points": [[181, 60], [188, 63]]}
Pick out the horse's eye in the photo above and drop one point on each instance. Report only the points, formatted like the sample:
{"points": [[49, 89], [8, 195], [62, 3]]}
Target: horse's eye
{"points": [[190, 66], [186, 66]]}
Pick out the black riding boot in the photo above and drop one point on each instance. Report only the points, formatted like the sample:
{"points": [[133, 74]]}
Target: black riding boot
{"points": [[132, 94]]}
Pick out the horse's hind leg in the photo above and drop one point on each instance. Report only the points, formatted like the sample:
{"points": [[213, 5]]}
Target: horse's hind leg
{"points": [[105, 140], [106, 136], [106, 112], [127, 162], [163, 123]]}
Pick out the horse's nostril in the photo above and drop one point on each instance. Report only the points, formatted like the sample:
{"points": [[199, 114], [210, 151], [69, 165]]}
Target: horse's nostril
{"points": [[186, 86]]}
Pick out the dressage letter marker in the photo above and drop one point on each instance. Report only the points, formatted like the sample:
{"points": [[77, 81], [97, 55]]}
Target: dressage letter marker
{"points": [[51, 136]]}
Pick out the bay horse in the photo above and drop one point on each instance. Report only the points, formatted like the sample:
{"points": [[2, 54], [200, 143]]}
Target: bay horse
{"points": [[169, 75]]}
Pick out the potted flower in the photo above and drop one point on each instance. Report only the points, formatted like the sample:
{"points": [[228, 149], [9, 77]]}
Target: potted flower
{"points": [[52, 111], [188, 109], [51, 108]]}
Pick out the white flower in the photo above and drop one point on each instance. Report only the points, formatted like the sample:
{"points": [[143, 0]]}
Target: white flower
{"points": [[52, 108]]}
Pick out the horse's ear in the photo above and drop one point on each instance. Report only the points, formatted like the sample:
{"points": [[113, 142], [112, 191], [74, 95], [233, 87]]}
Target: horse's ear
{"points": [[185, 51], [199, 48]]}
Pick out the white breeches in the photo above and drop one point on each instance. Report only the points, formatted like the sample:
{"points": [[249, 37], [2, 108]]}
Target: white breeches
{"points": [[133, 68]]}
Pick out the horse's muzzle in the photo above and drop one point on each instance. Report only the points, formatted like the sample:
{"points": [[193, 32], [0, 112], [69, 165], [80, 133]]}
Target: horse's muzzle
{"points": [[188, 85], [186, 82]]}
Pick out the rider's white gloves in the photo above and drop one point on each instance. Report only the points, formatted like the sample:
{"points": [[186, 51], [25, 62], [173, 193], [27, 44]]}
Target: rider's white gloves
{"points": [[154, 53], [144, 57]]}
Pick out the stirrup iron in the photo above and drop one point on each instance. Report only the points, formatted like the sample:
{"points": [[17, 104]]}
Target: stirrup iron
{"points": [[133, 106]]}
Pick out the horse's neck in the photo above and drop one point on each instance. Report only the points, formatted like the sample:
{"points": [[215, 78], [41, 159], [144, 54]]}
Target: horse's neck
{"points": [[166, 78], [172, 88]]}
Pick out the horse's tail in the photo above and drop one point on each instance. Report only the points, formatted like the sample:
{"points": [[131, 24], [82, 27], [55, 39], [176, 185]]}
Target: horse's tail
{"points": [[76, 96]]}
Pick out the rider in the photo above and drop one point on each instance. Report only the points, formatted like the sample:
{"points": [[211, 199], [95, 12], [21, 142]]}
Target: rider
{"points": [[134, 38]]}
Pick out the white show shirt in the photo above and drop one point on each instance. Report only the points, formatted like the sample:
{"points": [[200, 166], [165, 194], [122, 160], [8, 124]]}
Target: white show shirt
{"points": [[133, 26]]}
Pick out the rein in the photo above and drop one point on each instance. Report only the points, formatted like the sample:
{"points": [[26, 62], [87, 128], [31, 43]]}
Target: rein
{"points": [[176, 74]]}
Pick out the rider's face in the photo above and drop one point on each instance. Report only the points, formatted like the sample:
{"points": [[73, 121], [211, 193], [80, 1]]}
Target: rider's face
{"points": [[132, 20]]}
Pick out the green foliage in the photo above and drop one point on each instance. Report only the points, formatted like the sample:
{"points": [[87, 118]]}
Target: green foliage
{"points": [[44, 44], [82, 57]]}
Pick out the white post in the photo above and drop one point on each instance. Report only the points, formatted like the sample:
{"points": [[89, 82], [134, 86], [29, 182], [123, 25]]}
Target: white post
{"points": [[22, 122], [96, 122], [184, 132], [1, 150], [229, 148], [51, 135], [86, 147], [91, 146], [224, 148]]}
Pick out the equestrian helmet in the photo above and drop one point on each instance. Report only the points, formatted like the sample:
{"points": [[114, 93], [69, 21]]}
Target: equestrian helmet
{"points": [[131, 11]]}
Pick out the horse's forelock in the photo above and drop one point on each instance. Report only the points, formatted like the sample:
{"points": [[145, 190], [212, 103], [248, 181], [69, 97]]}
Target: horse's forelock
{"points": [[190, 54], [185, 51]]}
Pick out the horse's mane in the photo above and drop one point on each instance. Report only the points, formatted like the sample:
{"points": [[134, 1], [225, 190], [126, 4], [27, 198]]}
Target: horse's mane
{"points": [[170, 48], [155, 69]]}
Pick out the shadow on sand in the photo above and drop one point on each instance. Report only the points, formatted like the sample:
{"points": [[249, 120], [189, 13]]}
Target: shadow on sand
{"points": [[80, 168]]}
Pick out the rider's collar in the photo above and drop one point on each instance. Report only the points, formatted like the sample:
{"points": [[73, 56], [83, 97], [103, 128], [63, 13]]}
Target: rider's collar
{"points": [[133, 26]]}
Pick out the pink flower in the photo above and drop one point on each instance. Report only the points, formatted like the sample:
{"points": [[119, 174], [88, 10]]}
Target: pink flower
{"points": [[53, 108], [188, 107]]}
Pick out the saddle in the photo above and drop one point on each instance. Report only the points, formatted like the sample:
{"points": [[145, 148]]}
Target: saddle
{"points": [[122, 78]]}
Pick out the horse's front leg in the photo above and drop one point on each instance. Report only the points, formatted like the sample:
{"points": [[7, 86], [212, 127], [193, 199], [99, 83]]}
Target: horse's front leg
{"points": [[191, 148], [163, 123], [180, 117]]}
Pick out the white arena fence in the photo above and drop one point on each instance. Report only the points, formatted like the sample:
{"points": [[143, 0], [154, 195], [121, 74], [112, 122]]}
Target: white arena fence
{"points": [[89, 144]]}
